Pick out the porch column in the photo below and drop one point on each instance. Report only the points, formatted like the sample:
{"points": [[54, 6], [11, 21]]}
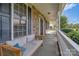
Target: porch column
{"points": [[59, 20]]}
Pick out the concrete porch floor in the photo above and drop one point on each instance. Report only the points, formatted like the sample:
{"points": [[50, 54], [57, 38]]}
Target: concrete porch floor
{"points": [[50, 47]]}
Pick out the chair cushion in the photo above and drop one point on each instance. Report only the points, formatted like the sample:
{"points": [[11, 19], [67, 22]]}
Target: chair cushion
{"points": [[11, 43], [22, 48], [17, 45], [20, 42], [21, 39], [14, 42]]}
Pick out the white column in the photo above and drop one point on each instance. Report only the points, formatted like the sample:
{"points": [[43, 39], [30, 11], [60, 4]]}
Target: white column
{"points": [[12, 12], [43, 27], [39, 25], [59, 20], [27, 18]]}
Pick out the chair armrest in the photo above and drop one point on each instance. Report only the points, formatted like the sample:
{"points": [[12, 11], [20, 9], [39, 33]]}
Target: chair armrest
{"points": [[40, 37], [9, 50], [0, 50]]}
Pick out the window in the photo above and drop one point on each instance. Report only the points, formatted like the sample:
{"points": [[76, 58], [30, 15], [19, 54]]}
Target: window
{"points": [[5, 22], [29, 20], [20, 20], [5, 8], [5, 27]]}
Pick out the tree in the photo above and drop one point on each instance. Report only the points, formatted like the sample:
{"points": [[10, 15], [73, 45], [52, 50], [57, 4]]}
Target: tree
{"points": [[74, 26], [63, 22]]}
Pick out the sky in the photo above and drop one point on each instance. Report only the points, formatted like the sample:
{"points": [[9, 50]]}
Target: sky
{"points": [[72, 12]]}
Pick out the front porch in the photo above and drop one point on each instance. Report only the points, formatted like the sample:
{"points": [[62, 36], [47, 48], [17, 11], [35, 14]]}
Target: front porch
{"points": [[30, 20], [58, 44], [50, 46]]}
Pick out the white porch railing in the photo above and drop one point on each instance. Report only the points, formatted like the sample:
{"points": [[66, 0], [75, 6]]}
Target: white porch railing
{"points": [[66, 45]]}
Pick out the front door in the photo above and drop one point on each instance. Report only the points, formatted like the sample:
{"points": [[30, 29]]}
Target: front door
{"points": [[41, 26]]}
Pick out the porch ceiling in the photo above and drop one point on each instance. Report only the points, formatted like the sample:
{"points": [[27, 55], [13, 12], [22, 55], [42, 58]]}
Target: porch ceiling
{"points": [[49, 10]]}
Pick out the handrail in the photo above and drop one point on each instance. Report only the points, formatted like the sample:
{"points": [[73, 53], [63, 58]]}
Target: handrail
{"points": [[68, 44]]}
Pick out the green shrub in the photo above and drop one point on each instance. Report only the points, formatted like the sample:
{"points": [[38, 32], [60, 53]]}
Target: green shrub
{"points": [[74, 35], [66, 30]]}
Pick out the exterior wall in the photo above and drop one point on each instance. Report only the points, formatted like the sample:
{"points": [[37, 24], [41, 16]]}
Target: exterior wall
{"points": [[36, 16], [35, 22]]}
